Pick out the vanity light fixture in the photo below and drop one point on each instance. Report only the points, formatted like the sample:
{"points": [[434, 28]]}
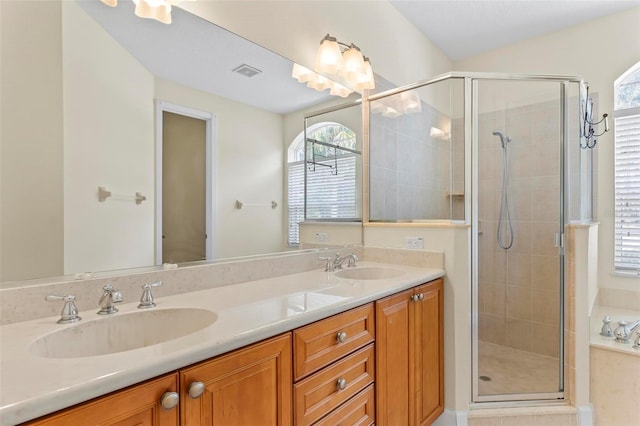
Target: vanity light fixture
{"points": [[437, 133], [394, 106], [349, 63], [337, 58], [160, 10], [319, 82]]}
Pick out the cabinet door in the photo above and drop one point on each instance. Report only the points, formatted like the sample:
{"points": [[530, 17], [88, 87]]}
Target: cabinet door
{"points": [[250, 386], [429, 338], [394, 360], [138, 405]]}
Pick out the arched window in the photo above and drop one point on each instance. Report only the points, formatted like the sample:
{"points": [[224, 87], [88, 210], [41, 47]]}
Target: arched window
{"points": [[331, 176], [627, 172]]}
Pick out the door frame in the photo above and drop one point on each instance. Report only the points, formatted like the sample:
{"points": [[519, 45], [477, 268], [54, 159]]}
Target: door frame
{"points": [[209, 119]]}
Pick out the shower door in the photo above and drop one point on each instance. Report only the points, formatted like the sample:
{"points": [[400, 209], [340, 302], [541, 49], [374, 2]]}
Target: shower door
{"points": [[518, 135]]}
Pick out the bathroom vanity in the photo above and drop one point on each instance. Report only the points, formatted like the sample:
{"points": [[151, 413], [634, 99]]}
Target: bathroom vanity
{"points": [[306, 348]]}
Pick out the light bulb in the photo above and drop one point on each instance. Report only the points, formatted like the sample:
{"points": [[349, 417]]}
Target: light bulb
{"points": [[329, 58]]}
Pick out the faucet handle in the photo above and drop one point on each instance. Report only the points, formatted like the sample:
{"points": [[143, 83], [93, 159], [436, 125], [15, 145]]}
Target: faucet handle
{"points": [[69, 312], [606, 327], [636, 343], [116, 295], [352, 261], [146, 300], [330, 266]]}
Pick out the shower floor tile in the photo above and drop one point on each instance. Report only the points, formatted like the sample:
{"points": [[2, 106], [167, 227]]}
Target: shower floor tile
{"points": [[504, 370]]}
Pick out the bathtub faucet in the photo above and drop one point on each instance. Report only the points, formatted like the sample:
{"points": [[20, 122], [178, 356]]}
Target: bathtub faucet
{"points": [[623, 331]]}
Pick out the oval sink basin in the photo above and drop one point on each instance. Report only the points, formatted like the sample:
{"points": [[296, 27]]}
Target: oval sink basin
{"points": [[122, 332], [369, 273]]}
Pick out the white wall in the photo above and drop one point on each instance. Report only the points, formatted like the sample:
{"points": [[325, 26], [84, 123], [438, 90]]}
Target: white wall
{"points": [[248, 159], [454, 242], [398, 51], [108, 141], [31, 228], [600, 51]]}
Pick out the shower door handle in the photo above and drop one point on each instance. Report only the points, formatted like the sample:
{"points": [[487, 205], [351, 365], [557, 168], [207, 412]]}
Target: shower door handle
{"points": [[558, 240]]}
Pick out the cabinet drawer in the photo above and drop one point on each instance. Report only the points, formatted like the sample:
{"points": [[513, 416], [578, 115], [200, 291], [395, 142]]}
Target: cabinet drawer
{"points": [[359, 410], [319, 394], [317, 345]]}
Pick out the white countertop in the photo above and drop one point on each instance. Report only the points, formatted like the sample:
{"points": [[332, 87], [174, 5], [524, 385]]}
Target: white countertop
{"points": [[616, 314], [31, 386]]}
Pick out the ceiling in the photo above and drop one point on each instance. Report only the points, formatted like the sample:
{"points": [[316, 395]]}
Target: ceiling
{"points": [[463, 28], [198, 54]]}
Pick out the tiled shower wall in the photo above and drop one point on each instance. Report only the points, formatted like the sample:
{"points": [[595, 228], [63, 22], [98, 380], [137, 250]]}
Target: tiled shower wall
{"points": [[518, 298], [409, 169]]}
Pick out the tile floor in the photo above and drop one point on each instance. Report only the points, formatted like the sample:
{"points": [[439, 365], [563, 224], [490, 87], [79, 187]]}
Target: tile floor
{"points": [[515, 371]]}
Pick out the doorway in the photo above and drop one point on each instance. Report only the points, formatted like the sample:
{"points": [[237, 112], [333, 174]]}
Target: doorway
{"points": [[184, 197]]}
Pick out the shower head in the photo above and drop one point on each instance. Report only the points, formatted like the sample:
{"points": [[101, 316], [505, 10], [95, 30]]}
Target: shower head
{"points": [[503, 139]]}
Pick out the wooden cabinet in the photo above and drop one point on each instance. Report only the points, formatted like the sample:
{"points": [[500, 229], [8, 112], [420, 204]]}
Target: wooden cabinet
{"points": [[334, 363], [250, 386], [379, 363], [409, 356], [139, 405]]}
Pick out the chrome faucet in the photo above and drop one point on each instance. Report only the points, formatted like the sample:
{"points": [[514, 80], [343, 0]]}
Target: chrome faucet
{"points": [[146, 300], [623, 331], [110, 296], [352, 258], [69, 312], [334, 263]]}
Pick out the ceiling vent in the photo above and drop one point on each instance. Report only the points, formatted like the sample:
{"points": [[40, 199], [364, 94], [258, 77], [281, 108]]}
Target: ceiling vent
{"points": [[246, 70]]}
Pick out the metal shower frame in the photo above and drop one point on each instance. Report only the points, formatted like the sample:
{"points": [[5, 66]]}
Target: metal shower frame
{"points": [[470, 82]]}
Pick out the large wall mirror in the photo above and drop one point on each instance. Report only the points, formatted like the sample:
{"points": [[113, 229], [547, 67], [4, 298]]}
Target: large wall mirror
{"points": [[121, 137]]}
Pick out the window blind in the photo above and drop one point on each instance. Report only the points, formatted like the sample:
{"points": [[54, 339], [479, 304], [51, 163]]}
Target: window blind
{"points": [[331, 192], [627, 190]]}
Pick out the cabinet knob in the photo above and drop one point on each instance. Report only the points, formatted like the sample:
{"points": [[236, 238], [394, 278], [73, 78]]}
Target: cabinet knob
{"points": [[414, 298], [420, 296], [169, 400], [341, 337], [196, 389], [341, 384]]}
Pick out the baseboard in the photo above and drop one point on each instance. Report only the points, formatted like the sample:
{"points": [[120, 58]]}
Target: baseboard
{"points": [[585, 415], [453, 418]]}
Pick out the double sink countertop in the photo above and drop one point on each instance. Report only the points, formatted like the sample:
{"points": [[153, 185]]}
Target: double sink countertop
{"points": [[32, 385]]}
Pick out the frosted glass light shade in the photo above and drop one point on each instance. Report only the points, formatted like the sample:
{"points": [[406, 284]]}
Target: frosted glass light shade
{"points": [[339, 90], [154, 9], [302, 74], [112, 3], [320, 83], [410, 102], [366, 80], [329, 58], [352, 64]]}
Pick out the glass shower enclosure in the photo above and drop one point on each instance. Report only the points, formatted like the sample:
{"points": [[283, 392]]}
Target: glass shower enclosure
{"points": [[498, 152]]}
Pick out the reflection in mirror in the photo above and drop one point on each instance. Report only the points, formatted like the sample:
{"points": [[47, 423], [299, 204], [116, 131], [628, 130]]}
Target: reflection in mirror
{"points": [[329, 164], [86, 92], [417, 154]]}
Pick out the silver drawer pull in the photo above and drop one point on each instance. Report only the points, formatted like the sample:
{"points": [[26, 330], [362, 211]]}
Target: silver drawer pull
{"points": [[341, 384], [170, 400], [196, 389], [341, 337]]}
